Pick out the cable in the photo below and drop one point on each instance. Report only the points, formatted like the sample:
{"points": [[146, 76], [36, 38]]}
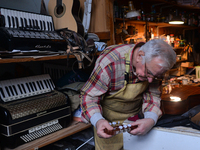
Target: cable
{"points": [[85, 143]]}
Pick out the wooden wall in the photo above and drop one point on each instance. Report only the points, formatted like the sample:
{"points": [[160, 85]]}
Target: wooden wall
{"points": [[101, 19]]}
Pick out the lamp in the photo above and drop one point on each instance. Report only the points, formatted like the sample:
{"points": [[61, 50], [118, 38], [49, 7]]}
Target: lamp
{"points": [[132, 12], [176, 19]]}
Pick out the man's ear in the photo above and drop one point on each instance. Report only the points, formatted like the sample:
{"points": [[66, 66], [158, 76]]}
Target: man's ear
{"points": [[139, 56]]}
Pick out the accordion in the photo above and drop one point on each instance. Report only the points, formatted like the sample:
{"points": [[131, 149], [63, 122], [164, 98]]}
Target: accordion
{"points": [[30, 108], [28, 31]]}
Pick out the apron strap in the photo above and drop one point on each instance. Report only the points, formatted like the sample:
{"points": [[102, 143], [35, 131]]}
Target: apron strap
{"points": [[127, 57]]}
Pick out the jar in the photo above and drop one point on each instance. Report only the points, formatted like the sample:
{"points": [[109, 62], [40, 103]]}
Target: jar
{"points": [[178, 57], [166, 88]]}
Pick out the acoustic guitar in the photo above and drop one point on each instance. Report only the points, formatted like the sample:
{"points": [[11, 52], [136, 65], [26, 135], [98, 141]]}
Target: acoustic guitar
{"points": [[190, 97], [65, 15]]}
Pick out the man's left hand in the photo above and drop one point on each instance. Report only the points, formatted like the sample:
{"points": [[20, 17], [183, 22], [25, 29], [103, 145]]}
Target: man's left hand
{"points": [[144, 125]]}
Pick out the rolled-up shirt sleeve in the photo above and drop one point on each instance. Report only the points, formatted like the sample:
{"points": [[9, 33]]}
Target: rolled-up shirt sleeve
{"points": [[152, 100]]}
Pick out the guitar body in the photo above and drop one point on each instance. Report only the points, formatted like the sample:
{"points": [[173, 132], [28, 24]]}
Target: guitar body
{"points": [[63, 16], [75, 13]]}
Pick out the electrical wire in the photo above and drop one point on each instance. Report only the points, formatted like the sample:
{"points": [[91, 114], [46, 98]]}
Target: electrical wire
{"points": [[85, 143]]}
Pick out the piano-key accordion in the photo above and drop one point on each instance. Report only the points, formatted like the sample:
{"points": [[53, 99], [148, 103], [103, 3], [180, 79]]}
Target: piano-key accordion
{"points": [[28, 31], [31, 108]]}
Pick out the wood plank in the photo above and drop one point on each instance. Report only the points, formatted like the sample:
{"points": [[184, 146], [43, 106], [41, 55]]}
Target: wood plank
{"points": [[110, 23], [51, 138], [103, 35]]}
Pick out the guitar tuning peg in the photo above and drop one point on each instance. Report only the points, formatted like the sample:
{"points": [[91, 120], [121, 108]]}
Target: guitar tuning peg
{"points": [[114, 124], [129, 127], [125, 128], [120, 129]]}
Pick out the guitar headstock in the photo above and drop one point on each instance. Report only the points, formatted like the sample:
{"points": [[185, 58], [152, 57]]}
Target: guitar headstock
{"points": [[119, 128]]}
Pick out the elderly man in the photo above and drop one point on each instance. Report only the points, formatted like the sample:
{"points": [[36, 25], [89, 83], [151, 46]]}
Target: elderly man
{"points": [[126, 80]]}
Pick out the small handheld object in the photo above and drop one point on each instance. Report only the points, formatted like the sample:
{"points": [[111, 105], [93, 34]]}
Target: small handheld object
{"points": [[119, 128]]}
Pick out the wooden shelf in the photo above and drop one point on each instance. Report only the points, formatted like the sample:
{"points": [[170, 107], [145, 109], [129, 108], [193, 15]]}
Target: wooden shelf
{"points": [[51, 138], [160, 24], [174, 69], [35, 58], [182, 60], [178, 48]]}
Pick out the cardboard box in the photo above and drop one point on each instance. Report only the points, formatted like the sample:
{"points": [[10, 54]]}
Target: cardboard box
{"points": [[180, 71], [187, 64]]}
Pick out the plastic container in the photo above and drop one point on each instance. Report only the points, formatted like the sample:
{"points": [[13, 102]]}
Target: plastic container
{"points": [[197, 72]]}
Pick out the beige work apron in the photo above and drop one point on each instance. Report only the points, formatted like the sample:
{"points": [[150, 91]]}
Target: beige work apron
{"points": [[118, 107]]}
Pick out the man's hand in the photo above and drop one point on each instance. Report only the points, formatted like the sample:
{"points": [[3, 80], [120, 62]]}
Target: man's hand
{"points": [[144, 125], [100, 126]]}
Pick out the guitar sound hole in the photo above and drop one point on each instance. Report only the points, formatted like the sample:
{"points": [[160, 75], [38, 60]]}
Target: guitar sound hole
{"points": [[59, 10]]}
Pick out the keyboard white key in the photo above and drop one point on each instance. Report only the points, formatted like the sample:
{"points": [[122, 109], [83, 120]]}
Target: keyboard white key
{"points": [[25, 87], [4, 13], [19, 19]]}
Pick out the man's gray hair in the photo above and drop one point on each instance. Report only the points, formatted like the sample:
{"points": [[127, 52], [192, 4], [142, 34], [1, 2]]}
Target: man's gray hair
{"points": [[162, 50]]}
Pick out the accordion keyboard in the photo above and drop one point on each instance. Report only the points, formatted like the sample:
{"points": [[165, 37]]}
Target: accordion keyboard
{"points": [[15, 89]]}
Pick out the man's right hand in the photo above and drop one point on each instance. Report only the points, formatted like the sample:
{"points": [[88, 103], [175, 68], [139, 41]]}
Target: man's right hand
{"points": [[100, 126]]}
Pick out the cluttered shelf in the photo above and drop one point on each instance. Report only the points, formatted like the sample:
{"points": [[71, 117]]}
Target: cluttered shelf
{"points": [[51, 138], [154, 23]]}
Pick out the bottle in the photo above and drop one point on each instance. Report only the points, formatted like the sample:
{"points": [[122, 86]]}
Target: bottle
{"points": [[148, 17], [116, 9], [194, 20], [186, 18], [166, 18], [172, 39], [143, 17], [153, 13], [171, 12], [158, 17], [183, 16], [120, 12], [139, 17], [152, 34], [198, 21], [162, 17], [189, 20]]}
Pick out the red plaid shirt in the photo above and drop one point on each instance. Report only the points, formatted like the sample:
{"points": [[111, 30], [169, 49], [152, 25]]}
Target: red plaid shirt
{"points": [[108, 77]]}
